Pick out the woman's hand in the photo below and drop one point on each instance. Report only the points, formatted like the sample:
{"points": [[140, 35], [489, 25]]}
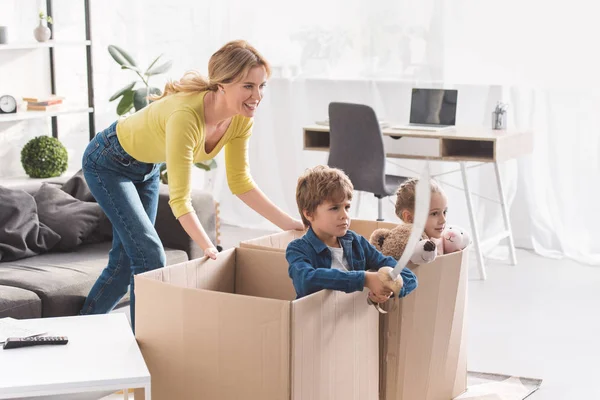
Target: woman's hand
{"points": [[211, 253], [296, 225], [256, 200]]}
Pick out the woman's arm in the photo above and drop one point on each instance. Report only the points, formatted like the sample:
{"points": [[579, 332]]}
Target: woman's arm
{"points": [[194, 229], [259, 202], [241, 184]]}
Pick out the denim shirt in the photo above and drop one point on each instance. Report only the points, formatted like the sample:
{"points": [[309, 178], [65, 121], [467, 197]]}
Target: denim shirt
{"points": [[310, 265]]}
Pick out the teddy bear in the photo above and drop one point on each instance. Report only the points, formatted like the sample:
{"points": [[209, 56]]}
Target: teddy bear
{"points": [[392, 242]]}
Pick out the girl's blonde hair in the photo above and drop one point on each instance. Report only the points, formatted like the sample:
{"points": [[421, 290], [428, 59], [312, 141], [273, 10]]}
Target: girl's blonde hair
{"points": [[320, 184], [406, 193], [230, 63]]}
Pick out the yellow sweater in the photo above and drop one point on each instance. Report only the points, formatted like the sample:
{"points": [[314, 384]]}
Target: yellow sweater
{"points": [[172, 130]]}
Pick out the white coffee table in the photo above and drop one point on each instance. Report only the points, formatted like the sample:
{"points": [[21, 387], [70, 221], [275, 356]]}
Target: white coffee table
{"points": [[101, 357]]}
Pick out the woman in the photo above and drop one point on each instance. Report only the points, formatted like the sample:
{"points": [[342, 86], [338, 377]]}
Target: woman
{"points": [[192, 121]]}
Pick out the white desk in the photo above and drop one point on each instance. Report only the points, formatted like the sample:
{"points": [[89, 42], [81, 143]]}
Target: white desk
{"points": [[462, 145], [102, 356]]}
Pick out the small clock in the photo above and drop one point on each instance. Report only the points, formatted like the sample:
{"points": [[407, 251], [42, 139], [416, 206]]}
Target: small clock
{"points": [[8, 104]]}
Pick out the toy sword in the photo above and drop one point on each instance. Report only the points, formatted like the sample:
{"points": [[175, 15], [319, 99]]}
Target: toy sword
{"points": [[391, 276]]}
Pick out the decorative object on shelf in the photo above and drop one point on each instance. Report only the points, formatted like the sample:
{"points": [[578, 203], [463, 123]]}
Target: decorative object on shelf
{"points": [[44, 157], [8, 104], [130, 97], [49, 103], [42, 33], [3, 34], [499, 116], [205, 165]]}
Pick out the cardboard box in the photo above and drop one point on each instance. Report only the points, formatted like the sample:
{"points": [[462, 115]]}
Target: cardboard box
{"points": [[423, 337], [230, 329], [424, 349], [279, 241]]}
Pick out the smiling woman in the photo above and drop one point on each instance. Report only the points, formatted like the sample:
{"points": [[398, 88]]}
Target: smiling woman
{"points": [[190, 122]]}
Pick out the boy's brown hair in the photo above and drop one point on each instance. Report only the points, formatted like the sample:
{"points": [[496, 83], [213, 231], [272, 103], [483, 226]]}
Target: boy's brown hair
{"points": [[406, 193], [320, 184]]}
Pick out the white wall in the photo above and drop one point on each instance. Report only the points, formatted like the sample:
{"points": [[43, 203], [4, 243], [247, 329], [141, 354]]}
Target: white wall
{"points": [[185, 31]]}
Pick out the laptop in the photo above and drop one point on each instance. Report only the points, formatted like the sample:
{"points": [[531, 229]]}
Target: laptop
{"points": [[431, 110]]}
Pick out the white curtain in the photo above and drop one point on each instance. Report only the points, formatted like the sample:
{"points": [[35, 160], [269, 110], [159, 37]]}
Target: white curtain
{"points": [[534, 55]]}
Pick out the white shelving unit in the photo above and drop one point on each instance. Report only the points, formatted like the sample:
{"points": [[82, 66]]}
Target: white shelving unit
{"points": [[48, 44], [24, 115]]}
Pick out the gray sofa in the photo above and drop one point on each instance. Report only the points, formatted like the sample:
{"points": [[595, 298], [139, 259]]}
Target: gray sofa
{"points": [[56, 283]]}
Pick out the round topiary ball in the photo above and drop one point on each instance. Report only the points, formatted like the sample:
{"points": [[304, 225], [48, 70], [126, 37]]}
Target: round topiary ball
{"points": [[44, 157]]}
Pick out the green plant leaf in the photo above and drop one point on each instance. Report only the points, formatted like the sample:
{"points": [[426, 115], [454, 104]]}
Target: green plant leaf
{"points": [[122, 91], [136, 69], [207, 165], [152, 64], [126, 103], [140, 97], [164, 177], [121, 56], [161, 69]]}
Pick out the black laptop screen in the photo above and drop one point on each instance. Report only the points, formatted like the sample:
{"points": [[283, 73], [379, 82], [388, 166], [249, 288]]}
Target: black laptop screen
{"points": [[433, 106]]}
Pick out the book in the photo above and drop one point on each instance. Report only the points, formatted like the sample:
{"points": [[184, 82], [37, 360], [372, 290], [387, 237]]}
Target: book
{"points": [[43, 108], [51, 97], [44, 103]]}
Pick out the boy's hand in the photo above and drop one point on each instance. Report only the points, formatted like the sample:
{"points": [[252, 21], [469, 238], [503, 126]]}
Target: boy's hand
{"points": [[379, 293], [377, 299]]}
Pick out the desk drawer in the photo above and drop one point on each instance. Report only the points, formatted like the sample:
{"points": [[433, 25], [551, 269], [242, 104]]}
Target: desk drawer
{"points": [[411, 147]]}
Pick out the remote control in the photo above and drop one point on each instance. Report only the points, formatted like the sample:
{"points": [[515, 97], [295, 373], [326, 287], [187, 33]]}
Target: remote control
{"points": [[14, 343]]}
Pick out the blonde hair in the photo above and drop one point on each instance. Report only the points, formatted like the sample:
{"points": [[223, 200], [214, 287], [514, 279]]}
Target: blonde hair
{"points": [[320, 184], [231, 63], [405, 195]]}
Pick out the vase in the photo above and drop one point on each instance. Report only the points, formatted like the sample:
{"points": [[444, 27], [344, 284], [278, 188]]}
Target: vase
{"points": [[42, 32], [499, 120]]}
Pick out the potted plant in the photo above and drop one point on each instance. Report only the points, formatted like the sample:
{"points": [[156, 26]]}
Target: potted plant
{"points": [[132, 97], [44, 157], [42, 33]]}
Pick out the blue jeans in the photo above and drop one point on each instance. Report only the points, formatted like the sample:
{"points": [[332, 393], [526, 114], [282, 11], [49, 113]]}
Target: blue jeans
{"points": [[127, 190]]}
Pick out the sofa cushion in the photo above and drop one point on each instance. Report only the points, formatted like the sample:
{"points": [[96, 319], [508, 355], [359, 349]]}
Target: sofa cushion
{"points": [[21, 232], [63, 280], [19, 303], [77, 187], [55, 207]]}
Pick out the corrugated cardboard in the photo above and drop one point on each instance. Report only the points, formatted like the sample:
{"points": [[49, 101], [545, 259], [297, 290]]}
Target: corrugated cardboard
{"points": [[279, 241], [230, 329], [423, 337], [424, 341]]}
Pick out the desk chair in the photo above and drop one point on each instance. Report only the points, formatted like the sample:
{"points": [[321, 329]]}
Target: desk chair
{"points": [[356, 147]]}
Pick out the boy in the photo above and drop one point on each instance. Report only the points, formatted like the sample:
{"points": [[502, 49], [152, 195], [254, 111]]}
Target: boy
{"points": [[329, 256]]}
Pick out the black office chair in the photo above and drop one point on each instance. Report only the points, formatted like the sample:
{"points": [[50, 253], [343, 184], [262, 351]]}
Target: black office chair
{"points": [[356, 147]]}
